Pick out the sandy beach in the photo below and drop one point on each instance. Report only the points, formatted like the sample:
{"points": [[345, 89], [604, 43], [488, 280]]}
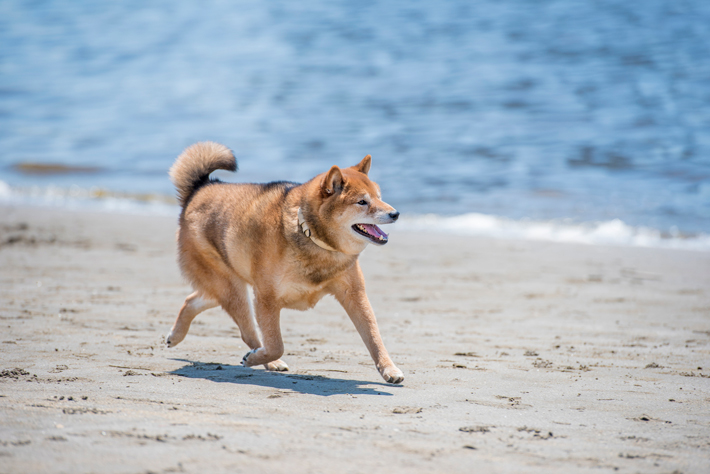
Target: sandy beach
{"points": [[518, 357]]}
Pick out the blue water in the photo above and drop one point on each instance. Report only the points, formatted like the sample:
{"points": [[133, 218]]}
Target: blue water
{"points": [[584, 110]]}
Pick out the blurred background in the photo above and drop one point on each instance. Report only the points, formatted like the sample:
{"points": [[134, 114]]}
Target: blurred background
{"points": [[549, 117]]}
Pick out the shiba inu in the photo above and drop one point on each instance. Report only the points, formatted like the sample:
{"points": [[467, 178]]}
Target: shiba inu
{"points": [[293, 243]]}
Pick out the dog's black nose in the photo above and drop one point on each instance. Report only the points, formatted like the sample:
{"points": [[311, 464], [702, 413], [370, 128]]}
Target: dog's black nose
{"points": [[394, 215]]}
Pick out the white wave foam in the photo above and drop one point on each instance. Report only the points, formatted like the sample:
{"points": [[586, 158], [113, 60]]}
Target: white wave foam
{"points": [[5, 190], [94, 199], [614, 232]]}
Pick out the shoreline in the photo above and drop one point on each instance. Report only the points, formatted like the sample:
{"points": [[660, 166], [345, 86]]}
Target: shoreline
{"points": [[519, 356], [614, 232]]}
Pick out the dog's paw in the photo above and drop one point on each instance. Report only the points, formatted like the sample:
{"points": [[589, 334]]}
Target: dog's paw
{"points": [[175, 337], [171, 340], [245, 359], [277, 365], [392, 374]]}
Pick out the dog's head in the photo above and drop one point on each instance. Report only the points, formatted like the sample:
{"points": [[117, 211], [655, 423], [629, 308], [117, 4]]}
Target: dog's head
{"points": [[351, 207]]}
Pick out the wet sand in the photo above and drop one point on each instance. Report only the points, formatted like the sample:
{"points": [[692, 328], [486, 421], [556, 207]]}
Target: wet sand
{"points": [[518, 357]]}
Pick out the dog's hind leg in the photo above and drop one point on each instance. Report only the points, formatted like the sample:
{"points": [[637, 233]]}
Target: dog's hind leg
{"points": [[194, 305], [238, 308]]}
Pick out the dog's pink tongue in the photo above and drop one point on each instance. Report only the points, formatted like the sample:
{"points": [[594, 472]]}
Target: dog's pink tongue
{"points": [[374, 231]]}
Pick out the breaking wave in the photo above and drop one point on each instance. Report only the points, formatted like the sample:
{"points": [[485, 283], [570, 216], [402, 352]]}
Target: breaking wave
{"points": [[93, 199], [612, 232]]}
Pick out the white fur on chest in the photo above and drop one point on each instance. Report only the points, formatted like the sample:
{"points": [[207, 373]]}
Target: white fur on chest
{"points": [[299, 295]]}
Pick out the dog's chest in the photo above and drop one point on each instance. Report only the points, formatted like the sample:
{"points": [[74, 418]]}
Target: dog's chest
{"points": [[307, 280], [299, 295]]}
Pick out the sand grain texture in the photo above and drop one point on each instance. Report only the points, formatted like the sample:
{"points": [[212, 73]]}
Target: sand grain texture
{"points": [[518, 357]]}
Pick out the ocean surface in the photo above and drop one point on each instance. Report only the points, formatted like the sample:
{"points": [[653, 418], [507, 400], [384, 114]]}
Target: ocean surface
{"points": [[561, 120]]}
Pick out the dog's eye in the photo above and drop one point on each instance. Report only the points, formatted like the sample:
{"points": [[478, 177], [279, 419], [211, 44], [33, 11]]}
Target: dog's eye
{"points": [[363, 203]]}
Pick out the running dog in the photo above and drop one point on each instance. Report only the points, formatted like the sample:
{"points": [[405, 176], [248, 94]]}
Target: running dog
{"points": [[293, 243]]}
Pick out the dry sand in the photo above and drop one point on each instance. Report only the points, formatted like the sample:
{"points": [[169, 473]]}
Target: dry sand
{"points": [[518, 357]]}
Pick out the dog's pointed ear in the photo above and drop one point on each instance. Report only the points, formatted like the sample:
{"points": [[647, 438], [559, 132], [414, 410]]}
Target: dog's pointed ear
{"points": [[364, 165], [333, 181]]}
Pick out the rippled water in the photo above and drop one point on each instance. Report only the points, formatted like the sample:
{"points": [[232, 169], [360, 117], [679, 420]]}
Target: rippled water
{"points": [[589, 111]]}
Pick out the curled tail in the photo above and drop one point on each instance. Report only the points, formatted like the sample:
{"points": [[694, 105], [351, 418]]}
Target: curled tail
{"points": [[194, 165]]}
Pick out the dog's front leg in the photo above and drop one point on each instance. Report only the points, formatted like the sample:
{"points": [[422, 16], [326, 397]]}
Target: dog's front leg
{"points": [[351, 295], [268, 317]]}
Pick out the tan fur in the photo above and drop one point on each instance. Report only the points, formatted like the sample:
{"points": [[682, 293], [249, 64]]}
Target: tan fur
{"points": [[196, 163], [234, 235]]}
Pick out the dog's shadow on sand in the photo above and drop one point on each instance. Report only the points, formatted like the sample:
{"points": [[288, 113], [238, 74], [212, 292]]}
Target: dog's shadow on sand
{"points": [[306, 384]]}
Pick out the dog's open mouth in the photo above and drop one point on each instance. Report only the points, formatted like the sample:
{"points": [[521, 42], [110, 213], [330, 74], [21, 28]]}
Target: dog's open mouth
{"points": [[372, 232]]}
